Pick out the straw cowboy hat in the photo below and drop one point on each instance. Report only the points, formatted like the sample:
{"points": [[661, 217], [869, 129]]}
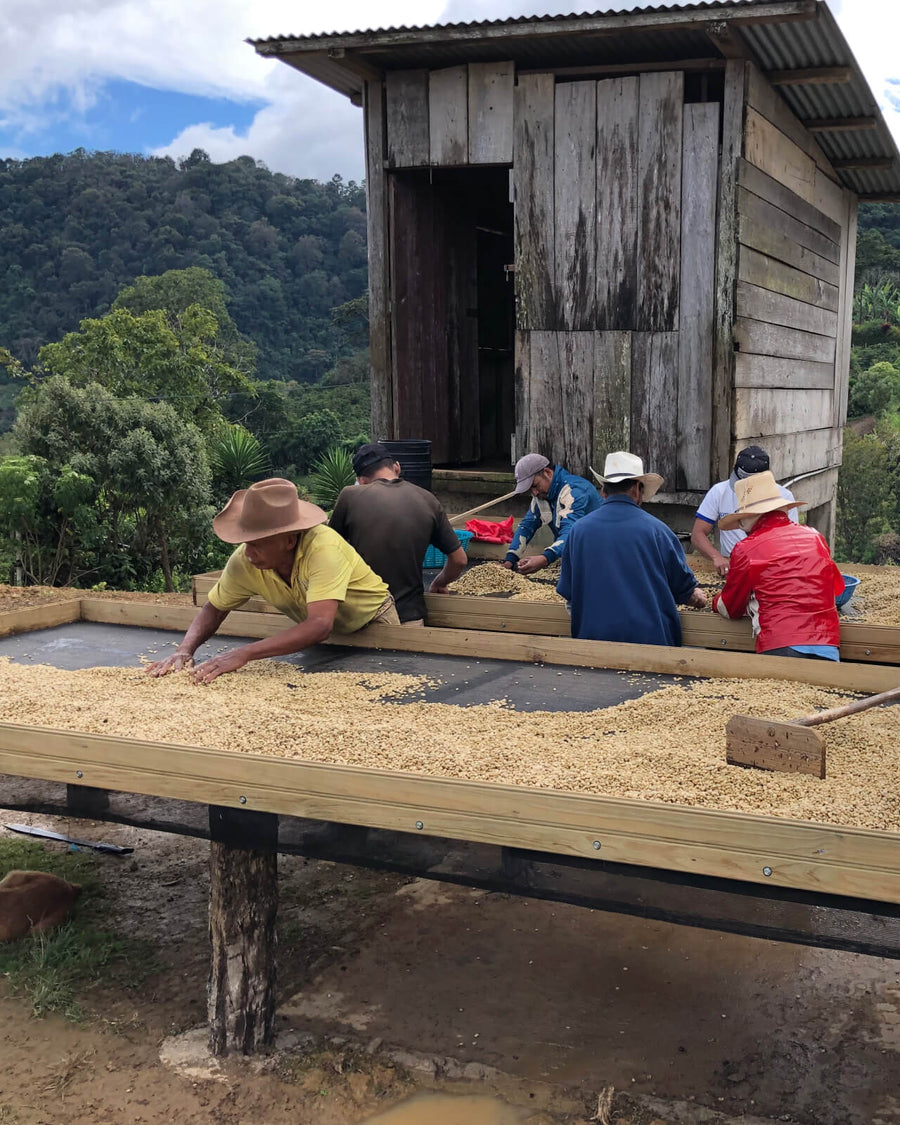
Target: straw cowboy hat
{"points": [[268, 507], [626, 466], [757, 495]]}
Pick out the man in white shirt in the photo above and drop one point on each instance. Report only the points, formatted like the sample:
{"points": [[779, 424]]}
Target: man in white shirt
{"points": [[722, 501]]}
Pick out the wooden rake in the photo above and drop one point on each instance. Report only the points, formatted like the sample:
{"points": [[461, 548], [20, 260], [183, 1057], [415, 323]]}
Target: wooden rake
{"points": [[790, 747], [463, 516]]}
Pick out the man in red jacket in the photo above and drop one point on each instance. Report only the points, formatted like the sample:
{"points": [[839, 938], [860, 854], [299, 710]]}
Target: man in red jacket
{"points": [[782, 575]]}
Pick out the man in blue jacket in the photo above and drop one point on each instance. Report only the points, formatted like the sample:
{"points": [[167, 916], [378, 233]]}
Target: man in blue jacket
{"points": [[560, 499], [624, 572]]}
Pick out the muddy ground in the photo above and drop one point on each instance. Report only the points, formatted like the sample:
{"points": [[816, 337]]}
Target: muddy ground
{"points": [[391, 986]]}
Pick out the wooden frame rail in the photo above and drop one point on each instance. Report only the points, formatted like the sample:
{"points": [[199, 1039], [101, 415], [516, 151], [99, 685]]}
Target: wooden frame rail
{"points": [[876, 644], [854, 862], [768, 850]]}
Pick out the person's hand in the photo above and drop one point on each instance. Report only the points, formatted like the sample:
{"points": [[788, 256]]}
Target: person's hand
{"points": [[209, 670], [532, 564], [698, 598], [436, 588], [173, 663], [721, 564], [507, 563]]}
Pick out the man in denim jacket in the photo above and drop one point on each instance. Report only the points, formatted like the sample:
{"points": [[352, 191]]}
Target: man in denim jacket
{"points": [[560, 499]]}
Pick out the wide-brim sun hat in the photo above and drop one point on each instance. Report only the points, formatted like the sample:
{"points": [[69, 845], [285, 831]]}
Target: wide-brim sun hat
{"points": [[621, 466], [268, 507], [756, 495]]}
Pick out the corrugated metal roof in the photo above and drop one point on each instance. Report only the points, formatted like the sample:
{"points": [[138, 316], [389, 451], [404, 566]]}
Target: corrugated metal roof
{"points": [[777, 35]]}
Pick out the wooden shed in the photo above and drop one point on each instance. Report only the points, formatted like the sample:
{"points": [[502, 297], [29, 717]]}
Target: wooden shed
{"points": [[623, 230]]}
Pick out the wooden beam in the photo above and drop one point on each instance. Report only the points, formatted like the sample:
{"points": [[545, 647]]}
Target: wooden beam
{"points": [[860, 162], [612, 70], [39, 617], [867, 644], [356, 66], [841, 124], [479, 644], [811, 76], [768, 850], [727, 40]]}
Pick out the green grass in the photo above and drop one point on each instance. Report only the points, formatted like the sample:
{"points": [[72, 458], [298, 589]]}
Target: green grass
{"points": [[55, 969]]}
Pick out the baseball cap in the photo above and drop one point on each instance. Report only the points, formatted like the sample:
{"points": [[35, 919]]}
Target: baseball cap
{"points": [[527, 468], [368, 455], [751, 460]]}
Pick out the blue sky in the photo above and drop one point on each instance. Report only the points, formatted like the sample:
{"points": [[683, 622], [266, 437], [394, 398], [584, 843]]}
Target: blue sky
{"points": [[124, 117], [167, 76]]}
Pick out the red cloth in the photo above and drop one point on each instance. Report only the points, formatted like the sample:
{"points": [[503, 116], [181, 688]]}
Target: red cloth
{"points": [[790, 570], [492, 531]]}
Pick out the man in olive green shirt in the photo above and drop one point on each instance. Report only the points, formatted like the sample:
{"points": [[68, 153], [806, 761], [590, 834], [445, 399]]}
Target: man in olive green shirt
{"points": [[289, 557]]}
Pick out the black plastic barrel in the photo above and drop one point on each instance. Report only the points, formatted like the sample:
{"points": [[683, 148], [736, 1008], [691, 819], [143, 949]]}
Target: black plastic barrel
{"points": [[414, 456]]}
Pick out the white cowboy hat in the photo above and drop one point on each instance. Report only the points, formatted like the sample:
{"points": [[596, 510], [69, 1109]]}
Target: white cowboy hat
{"points": [[626, 466], [757, 494]]}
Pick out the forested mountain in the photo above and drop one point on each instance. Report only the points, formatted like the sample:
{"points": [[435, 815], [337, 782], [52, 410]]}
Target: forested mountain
{"points": [[75, 229], [878, 239]]}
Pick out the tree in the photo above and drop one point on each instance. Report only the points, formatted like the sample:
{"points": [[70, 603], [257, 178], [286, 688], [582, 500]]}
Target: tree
{"points": [[175, 291], [875, 391], [307, 439], [151, 355], [107, 484], [866, 496]]}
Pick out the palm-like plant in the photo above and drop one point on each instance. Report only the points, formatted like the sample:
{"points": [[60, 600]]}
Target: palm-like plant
{"points": [[332, 472], [237, 458], [877, 302]]}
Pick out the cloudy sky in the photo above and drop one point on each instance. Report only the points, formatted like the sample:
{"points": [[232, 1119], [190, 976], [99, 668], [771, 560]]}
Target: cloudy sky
{"points": [[168, 76]]}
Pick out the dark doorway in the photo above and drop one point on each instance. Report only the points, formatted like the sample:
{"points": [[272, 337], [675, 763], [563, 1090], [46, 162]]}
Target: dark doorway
{"points": [[453, 312]]}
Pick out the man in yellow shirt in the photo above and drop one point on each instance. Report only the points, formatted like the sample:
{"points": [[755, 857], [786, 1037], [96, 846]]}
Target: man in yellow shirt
{"points": [[289, 557]]}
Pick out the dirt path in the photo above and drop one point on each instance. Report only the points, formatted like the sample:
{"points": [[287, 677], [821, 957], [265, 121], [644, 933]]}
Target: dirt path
{"points": [[389, 985]]}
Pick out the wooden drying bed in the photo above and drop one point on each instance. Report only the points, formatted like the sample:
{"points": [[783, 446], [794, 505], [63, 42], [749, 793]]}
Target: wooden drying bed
{"points": [[758, 849], [877, 644]]}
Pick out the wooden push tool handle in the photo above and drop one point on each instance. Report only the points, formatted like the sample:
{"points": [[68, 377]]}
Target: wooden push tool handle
{"points": [[848, 708], [463, 516]]}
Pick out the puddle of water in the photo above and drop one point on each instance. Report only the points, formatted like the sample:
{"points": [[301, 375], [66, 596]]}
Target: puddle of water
{"points": [[441, 1109]]}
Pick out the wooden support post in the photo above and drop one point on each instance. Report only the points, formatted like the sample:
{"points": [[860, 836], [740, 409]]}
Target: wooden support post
{"points": [[85, 800], [243, 904]]}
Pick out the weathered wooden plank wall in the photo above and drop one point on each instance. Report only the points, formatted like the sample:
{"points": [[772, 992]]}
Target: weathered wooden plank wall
{"points": [[792, 297], [448, 116], [654, 395], [721, 406], [700, 164], [491, 112], [682, 271], [604, 160], [533, 149], [575, 204], [617, 204], [660, 113], [377, 211], [612, 394], [407, 118], [451, 117]]}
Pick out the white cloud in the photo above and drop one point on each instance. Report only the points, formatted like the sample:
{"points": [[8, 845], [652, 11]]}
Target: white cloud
{"points": [[58, 54], [305, 130]]}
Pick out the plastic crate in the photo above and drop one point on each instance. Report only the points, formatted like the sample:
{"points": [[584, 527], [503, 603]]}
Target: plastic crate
{"points": [[850, 584], [435, 559]]}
